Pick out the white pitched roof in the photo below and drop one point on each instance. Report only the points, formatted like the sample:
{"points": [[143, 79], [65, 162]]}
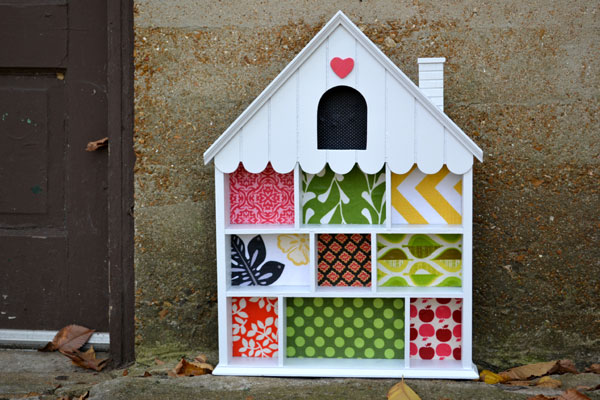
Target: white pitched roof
{"points": [[404, 127]]}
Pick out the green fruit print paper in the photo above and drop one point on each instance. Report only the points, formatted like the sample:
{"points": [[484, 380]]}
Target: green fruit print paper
{"points": [[419, 260], [352, 198]]}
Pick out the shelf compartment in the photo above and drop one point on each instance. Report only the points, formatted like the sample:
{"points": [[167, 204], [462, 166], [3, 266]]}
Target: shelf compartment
{"points": [[248, 362], [444, 292], [269, 260], [419, 198], [342, 228], [248, 192], [436, 331], [241, 229], [419, 260], [358, 328], [254, 328], [345, 363], [344, 260], [352, 198], [417, 364], [344, 368], [345, 292], [269, 291]]}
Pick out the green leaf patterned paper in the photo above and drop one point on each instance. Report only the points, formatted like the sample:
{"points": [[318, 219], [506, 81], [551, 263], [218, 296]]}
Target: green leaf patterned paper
{"points": [[353, 198], [419, 260], [356, 328]]}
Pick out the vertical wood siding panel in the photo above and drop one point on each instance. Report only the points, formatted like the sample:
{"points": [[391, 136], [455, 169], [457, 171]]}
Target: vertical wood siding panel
{"points": [[400, 127], [310, 89], [371, 84], [458, 159], [341, 44], [255, 139], [228, 159], [429, 135], [283, 141]]}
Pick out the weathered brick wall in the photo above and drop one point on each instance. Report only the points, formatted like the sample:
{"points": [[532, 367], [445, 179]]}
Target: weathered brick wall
{"points": [[522, 79]]}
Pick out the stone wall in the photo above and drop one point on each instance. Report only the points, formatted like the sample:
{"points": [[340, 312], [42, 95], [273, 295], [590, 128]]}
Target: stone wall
{"points": [[521, 78]]}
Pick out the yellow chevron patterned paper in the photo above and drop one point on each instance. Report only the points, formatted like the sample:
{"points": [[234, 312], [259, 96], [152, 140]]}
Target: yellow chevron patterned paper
{"points": [[418, 198]]}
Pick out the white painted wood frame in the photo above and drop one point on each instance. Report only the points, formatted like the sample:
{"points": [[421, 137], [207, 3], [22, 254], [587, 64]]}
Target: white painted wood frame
{"points": [[281, 365]]}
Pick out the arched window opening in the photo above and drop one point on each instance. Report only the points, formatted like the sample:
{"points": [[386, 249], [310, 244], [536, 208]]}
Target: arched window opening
{"points": [[342, 120]]}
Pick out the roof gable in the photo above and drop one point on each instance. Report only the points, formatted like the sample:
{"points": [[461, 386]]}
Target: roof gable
{"points": [[404, 127]]}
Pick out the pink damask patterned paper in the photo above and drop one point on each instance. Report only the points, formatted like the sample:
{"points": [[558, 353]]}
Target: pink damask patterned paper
{"points": [[263, 198], [435, 329]]}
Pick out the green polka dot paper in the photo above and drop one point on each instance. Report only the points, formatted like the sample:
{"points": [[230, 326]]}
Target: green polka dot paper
{"points": [[345, 328]]}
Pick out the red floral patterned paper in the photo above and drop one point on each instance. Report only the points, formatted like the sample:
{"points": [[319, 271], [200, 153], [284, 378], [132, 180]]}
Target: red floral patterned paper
{"points": [[263, 198], [254, 327], [435, 329]]}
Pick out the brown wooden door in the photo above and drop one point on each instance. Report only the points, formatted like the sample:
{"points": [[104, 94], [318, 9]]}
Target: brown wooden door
{"points": [[53, 194]]}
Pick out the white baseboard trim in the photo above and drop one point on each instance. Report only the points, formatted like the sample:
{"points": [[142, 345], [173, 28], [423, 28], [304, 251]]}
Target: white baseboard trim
{"points": [[34, 339]]}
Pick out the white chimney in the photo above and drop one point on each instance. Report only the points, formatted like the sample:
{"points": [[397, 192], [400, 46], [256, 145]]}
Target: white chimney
{"points": [[431, 79]]}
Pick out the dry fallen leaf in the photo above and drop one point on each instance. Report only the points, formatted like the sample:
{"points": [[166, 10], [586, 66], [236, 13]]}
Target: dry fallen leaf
{"points": [[186, 368], [401, 391], [125, 372], [83, 396], [147, 374], [528, 371], [95, 145], [87, 359], [69, 339], [548, 382], [490, 378], [541, 397], [595, 368], [566, 366], [200, 358], [572, 394]]}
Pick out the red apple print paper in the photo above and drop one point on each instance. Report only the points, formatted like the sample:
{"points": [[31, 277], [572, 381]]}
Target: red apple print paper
{"points": [[435, 329], [263, 198], [254, 327]]}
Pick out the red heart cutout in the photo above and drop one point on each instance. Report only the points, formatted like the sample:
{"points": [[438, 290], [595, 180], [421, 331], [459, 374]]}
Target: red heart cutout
{"points": [[342, 67]]}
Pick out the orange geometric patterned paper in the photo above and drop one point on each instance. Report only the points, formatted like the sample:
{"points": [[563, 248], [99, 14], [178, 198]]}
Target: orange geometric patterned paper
{"points": [[254, 327], [344, 260], [263, 198]]}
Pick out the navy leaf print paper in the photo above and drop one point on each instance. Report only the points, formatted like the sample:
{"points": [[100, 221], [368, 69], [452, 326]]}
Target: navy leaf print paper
{"points": [[247, 269]]}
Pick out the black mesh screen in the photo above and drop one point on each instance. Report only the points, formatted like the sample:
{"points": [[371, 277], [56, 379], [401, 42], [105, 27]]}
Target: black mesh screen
{"points": [[342, 120]]}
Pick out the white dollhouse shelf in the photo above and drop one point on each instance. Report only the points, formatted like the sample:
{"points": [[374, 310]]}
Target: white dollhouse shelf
{"points": [[420, 160]]}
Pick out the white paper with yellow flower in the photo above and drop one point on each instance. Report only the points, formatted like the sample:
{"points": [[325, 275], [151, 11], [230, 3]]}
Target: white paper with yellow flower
{"points": [[291, 250]]}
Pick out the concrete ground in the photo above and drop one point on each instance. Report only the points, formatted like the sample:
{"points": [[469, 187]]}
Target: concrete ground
{"points": [[33, 375]]}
